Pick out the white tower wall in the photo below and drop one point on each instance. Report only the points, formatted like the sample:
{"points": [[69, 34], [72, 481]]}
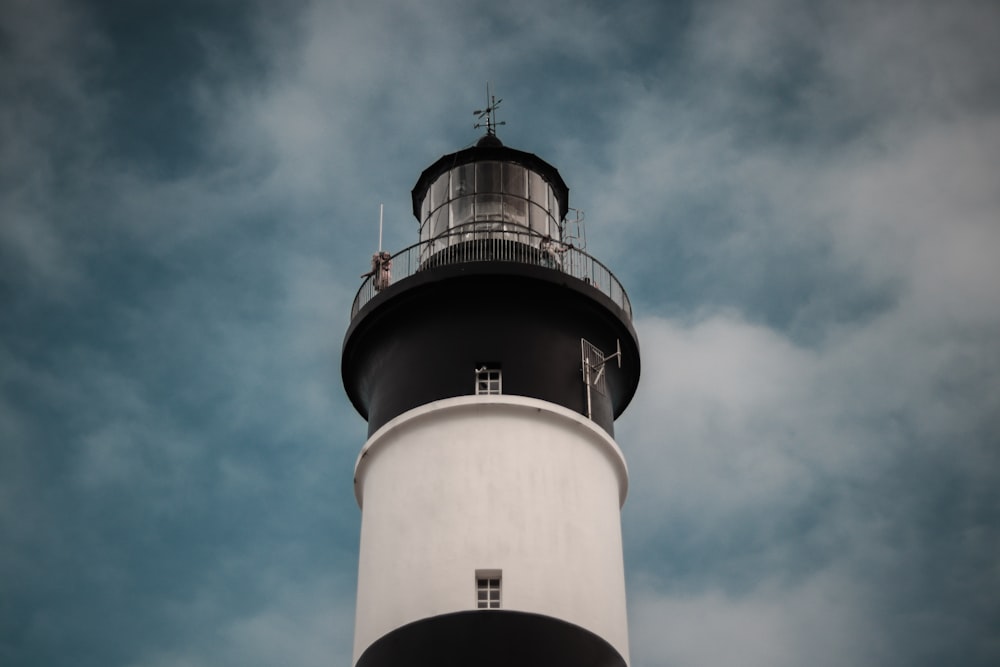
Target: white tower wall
{"points": [[500, 482]]}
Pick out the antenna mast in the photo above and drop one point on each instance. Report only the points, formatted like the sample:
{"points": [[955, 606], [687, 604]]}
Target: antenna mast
{"points": [[381, 273], [489, 114], [380, 227]]}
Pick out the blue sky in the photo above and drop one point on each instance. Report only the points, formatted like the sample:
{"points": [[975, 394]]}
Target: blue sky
{"points": [[801, 198]]}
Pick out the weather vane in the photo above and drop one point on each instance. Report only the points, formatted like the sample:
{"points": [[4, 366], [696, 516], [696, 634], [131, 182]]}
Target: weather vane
{"points": [[489, 113]]}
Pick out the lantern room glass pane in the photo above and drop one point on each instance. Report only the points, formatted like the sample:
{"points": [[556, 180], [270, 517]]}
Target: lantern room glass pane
{"points": [[554, 230], [515, 210], [425, 230], [488, 207], [463, 180], [553, 204], [487, 177], [538, 189], [515, 180], [539, 218], [439, 221], [461, 211], [439, 191]]}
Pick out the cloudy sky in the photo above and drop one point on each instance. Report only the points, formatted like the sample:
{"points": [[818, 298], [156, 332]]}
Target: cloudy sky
{"points": [[803, 200]]}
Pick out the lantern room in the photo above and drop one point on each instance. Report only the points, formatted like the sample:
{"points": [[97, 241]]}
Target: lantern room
{"points": [[490, 192]]}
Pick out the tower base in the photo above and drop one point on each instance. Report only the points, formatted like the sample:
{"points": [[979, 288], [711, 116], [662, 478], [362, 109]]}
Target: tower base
{"points": [[491, 638]]}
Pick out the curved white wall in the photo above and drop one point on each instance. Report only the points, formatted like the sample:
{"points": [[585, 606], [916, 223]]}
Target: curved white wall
{"points": [[491, 482]]}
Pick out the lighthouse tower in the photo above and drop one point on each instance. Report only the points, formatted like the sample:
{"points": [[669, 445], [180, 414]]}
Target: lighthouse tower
{"points": [[490, 359]]}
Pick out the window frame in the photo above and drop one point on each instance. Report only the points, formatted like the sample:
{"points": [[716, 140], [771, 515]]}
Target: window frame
{"points": [[489, 380], [489, 589]]}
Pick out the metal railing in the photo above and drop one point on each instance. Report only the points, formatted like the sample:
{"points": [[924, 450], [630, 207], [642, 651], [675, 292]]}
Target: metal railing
{"points": [[489, 242]]}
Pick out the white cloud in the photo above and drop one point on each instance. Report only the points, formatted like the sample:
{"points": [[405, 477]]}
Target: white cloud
{"points": [[823, 621], [726, 418]]}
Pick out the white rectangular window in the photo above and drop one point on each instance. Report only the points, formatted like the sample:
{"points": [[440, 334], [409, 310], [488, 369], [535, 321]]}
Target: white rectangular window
{"points": [[488, 380], [488, 589]]}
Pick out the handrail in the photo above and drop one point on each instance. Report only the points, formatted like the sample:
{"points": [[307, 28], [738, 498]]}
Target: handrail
{"points": [[481, 241]]}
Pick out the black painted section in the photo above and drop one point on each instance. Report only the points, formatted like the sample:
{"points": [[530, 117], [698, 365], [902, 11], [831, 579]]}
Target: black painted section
{"points": [[421, 340], [491, 151], [491, 638]]}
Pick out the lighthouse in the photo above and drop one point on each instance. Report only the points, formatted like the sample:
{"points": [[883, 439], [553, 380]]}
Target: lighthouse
{"points": [[490, 360]]}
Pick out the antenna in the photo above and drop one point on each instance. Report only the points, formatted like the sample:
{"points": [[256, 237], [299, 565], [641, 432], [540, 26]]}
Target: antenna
{"points": [[593, 365], [489, 113], [381, 273], [380, 207]]}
